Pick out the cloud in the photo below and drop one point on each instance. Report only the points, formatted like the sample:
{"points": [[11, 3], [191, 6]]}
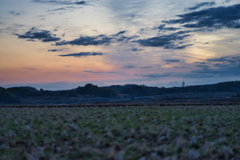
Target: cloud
{"points": [[98, 72], [136, 49], [223, 71], [156, 75], [119, 36], [91, 71], [225, 62], [129, 67], [14, 13], [212, 18], [200, 62], [43, 35], [147, 67], [201, 5], [46, 36], [227, 59], [61, 9], [202, 66], [131, 37], [163, 28], [179, 67], [87, 40], [82, 54], [19, 25], [165, 41], [225, 68], [172, 60], [61, 2], [81, 2], [56, 50], [177, 47], [30, 69], [187, 75], [218, 65], [122, 38], [119, 33]]}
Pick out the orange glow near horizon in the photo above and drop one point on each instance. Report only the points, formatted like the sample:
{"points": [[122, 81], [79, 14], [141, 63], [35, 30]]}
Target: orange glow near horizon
{"points": [[123, 42]]}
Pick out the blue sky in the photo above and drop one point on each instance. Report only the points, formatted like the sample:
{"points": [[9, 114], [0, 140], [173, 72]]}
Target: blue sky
{"points": [[56, 44]]}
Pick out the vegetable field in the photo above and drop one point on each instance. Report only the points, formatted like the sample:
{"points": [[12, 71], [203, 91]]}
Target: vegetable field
{"points": [[121, 133]]}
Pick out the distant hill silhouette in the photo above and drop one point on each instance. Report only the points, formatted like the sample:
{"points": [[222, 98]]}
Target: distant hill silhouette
{"points": [[142, 90], [14, 94], [90, 89]]}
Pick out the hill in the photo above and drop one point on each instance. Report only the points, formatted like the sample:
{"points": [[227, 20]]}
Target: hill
{"points": [[142, 90], [16, 94]]}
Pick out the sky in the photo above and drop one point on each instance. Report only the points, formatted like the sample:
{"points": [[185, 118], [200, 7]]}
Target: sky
{"points": [[62, 44]]}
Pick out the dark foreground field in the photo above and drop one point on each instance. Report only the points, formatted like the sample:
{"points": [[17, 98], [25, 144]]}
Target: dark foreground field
{"points": [[137, 132]]}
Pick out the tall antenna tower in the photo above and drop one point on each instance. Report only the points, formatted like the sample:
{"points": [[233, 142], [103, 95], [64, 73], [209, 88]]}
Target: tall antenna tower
{"points": [[183, 84]]}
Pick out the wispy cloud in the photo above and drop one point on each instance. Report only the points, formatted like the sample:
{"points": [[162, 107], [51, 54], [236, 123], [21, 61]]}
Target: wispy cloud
{"points": [[30, 69], [98, 72], [136, 49], [201, 5], [172, 60], [147, 67], [14, 13], [164, 28], [200, 62], [57, 50], [129, 67], [92, 71], [61, 9], [119, 33], [61, 2], [81, 54], [204, 66], [179, 67], [226, 68], [226, 59]]}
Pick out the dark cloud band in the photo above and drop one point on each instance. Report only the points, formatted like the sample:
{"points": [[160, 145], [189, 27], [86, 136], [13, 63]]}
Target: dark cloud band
{"points": [[172, 60], [87, 40], [43, 35], [82, 54], [61, 2], [212, 18], [165, 41]]}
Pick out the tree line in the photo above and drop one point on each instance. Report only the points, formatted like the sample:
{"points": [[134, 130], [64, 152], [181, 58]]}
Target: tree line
{"points": [[14, 94]]}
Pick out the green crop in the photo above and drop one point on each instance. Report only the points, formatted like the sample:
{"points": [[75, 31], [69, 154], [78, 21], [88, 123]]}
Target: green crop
{"points": [[158, 132]]}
